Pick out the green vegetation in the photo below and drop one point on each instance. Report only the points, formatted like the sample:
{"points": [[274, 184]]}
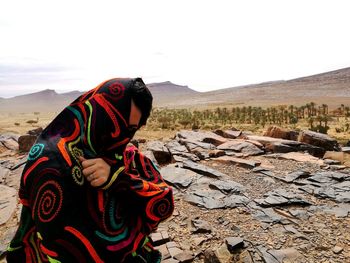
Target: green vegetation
{"points": [[309, 116]]}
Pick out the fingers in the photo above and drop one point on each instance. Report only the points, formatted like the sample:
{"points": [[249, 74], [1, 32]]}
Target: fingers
{"points": [[97, 182], [96, 171], [86, 162], [89, 170], [81, 159]]}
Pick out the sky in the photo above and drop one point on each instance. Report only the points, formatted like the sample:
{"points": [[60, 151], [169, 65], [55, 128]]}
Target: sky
{"points": [[206, 45]]}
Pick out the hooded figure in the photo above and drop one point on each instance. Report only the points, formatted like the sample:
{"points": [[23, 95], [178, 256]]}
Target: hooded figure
{"points": [[64, 218]]}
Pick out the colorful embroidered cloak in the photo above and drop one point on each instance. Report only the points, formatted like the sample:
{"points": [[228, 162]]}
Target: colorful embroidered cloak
{"points": [[64, 218]]}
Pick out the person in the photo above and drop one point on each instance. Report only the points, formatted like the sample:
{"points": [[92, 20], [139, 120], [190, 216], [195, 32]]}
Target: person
{"points": [[86, 196]]}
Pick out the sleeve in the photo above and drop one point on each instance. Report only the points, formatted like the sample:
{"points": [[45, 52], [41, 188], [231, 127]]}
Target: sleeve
{"points": [[148, 194]]}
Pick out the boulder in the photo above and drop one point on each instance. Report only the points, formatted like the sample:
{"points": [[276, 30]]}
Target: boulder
{"points": [[342, 157], [219, 255], [35, 132], [26, 142], [319, 140], [278, 132], [234, 243], [277, 145]]}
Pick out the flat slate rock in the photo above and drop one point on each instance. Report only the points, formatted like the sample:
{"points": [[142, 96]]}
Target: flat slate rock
{"points": [[184, 157], [340, 192], [340, 211], [328, 184], [301, 157], [242, 146], [329, 177], [281, 255], [265, 140], [210, 199], [207, 137], [227, 187], [238, 161], [230, 134], [192, 145], [281, 197], [202, 169], [175, 147], [161, 153], [179, 152], [8, 203], [269, 216], [234, 201], [201, 226], [214, 199], [178, 177], [291, 177]]}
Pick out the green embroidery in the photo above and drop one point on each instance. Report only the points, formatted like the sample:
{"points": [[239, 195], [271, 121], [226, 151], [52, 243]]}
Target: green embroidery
{"points": [[39, 235], [118, 157], [89, 126], [51, 260], [10, 249]]}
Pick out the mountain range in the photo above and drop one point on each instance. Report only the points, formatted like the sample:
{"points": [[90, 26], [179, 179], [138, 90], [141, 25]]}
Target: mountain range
{"points": [[331, 88]]}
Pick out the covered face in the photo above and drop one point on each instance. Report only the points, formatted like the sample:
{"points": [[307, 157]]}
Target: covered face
{"points": [[98, 122]]}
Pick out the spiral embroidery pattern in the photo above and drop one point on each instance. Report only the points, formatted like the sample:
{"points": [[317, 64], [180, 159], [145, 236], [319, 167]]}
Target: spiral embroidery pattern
{"points": [[77, 175], [35, 151], [160, 208], [48, 201], [79, 222]]}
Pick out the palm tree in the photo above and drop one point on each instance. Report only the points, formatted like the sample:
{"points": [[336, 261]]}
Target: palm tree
{"points": [[313, 110], [325, 109]]}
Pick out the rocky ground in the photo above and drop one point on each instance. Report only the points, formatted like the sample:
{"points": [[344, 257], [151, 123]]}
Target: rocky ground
{"points": [[238, 198]]}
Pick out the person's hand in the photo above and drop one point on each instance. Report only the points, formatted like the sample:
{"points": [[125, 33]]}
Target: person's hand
{"points": [[96, 171]]}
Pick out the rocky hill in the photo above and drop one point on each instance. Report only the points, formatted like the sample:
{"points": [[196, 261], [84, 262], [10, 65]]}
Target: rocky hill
{"points": [[49, 100], [331, 88], [46, 100]]}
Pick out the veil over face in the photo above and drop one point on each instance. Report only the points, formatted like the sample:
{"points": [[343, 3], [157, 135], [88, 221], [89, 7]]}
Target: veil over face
{"points": [[100, 119], [64, 218]]}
